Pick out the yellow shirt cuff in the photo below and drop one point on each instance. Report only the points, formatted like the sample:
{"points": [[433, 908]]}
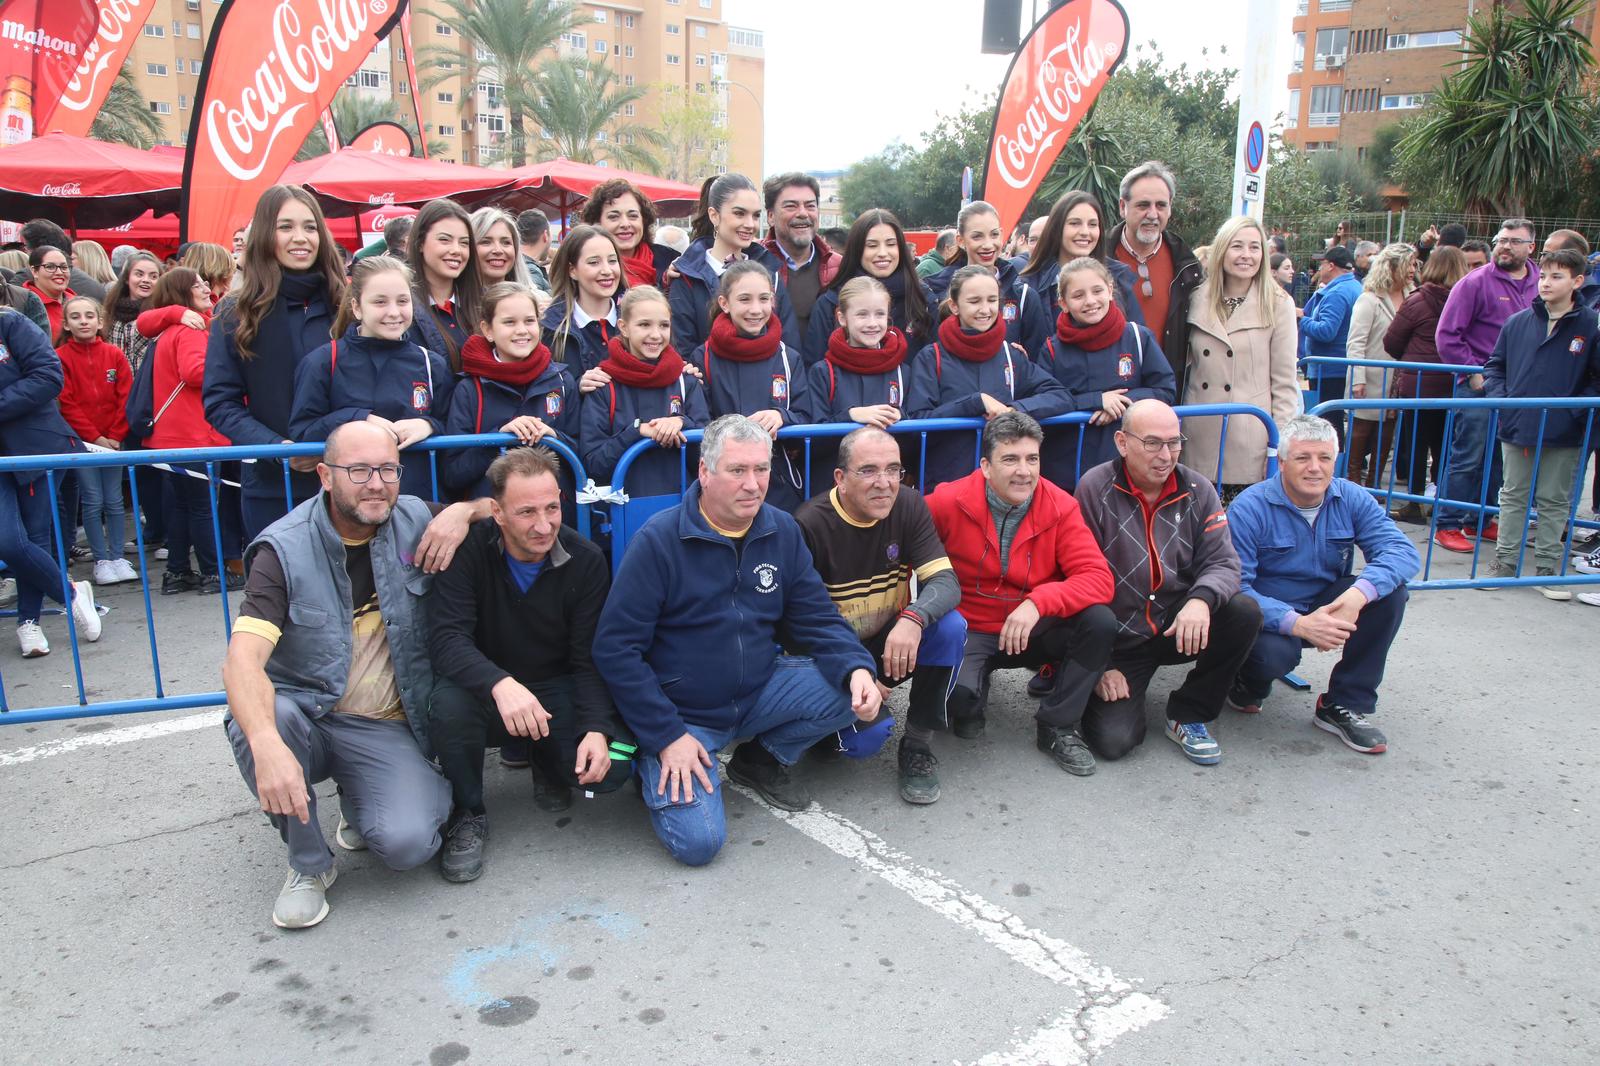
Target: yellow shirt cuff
{"points": [[260, 627]]}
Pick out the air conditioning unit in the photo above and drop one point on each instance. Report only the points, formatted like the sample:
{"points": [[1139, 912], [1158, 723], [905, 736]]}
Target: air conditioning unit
{"points": [[1336, 62]]}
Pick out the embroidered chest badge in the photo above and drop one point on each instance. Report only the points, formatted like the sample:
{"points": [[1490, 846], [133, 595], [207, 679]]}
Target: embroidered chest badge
{"points": [[552, 403], [1125, 367], [894, 394], [767, 577], [421, 396], [1576, 346], [1010, 311], [675, 405], [780, 388]]}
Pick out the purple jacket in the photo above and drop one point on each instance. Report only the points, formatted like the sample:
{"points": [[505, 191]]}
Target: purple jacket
{"points": [[1478, 306]]}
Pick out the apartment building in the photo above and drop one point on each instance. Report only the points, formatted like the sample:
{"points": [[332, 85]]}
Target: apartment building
{"points": [[1360, 65], [652, 43]]}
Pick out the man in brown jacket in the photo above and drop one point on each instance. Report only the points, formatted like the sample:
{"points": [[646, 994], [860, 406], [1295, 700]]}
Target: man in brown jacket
{"points": [[1177, 599]]}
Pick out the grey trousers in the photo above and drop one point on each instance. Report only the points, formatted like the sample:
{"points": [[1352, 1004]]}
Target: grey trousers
{"points": [[393, 796], [1558, 469]]}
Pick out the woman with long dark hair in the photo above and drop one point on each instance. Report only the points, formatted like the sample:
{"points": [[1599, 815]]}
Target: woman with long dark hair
{"points": [[443, 258], [1076, 229], [619, 208], [282, 311], [586, 281], [876, 248]]}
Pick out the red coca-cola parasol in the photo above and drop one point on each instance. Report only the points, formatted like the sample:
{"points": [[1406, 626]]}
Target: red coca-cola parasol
{"points": [[80, 183], [561, 184], [159, 233], [352, 180]]}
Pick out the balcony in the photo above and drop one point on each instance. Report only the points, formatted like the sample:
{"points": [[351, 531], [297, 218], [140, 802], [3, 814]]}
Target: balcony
{"points": [[1327, 119]]}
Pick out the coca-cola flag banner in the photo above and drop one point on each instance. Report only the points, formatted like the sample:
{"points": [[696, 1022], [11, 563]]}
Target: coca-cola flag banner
{"points": [[387, 138], [42, 43], [118, 25], [271, 67], [330, 130], [411, 77], [1053, 81]]}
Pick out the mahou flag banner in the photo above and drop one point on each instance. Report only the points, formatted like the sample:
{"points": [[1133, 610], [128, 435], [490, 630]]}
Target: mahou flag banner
{"points": [[42, 42], [1054, 79], [119, 23], [271, 67], [385, 138]]}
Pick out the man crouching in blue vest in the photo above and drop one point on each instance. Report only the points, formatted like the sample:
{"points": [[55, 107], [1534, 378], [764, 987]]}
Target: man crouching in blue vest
{"points": [[328, 673], [688, 643]]}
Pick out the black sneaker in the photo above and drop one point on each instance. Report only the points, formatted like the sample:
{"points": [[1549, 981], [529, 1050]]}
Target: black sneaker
{"points": [[1067, 748], [755, 768], [548, 796], [919, 776], [1040, 684], [211, 584], [515, 755], [176, 581], [967, 727], [1352, 728], [461, 858], [1240, 700]]}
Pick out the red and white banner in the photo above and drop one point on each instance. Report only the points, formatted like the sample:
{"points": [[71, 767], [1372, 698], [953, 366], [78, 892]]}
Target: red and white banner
{"points": [[1054, 79], [386, 138], [411, 76], [271, 66], [330, 130], [42, 44], [119, 24]]}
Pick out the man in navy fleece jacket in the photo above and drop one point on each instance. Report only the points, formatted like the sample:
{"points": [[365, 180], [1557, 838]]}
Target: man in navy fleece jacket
{"points": [[688, 644]]}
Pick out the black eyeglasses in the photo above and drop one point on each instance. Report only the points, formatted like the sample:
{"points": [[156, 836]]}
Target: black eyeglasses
{"points": [[55, 268], [361, 473]]}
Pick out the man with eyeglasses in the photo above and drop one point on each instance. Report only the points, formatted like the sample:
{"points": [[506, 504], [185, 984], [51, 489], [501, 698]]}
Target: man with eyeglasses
{"points": [[328, 673], [1034, 588], [1469, 326], [868, 536], [1167, 270], [1165, 536]]}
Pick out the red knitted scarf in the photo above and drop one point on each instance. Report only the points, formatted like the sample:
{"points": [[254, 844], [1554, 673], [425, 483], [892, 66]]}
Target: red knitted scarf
{"points": [[641, 265], [478, 360], [973, 347], [626, 368], [727, 342], [867, 360], [1103, 334]]}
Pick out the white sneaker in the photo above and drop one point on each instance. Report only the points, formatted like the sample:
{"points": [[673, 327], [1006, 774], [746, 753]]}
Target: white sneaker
{"points": [[161, 553], [347, 837], [105, 572], [129, 547], [125, 570], [303, 900], [1591, 598], [31, 637], [8, 591], [84, 613], [1587, 564]]}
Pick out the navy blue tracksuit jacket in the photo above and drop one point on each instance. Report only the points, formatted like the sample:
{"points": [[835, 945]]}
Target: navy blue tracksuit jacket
{"points": [[610, 426], [694, 291], [479, 405]]}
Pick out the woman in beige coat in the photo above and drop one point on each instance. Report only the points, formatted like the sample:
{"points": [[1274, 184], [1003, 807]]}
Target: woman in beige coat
{"points": [[1384, 289], [1242, 349]]}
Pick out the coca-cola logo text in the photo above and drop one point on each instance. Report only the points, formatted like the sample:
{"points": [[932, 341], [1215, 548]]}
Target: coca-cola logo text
{"points": [[1058, 89], [118, 19], [70, 188], [242, 134]]}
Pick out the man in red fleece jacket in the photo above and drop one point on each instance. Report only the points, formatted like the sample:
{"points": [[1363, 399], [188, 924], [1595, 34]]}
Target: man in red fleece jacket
{"points": [[1034, 587]]}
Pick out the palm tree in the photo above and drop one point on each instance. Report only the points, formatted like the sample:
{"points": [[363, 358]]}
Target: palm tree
{"points": [[503, 39], [354, 112], [1505, 129], [125, 116], [581, 107]]}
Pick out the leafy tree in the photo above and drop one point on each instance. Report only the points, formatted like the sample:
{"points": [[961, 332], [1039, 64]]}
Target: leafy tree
{"points": [[354, 112], [125, 116], [510, 35], [580, 107], [1507, 128], [693, 142]]}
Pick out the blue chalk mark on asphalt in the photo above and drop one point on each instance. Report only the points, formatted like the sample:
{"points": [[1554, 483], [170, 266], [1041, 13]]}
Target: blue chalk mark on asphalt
{"points": [[462, 981]]}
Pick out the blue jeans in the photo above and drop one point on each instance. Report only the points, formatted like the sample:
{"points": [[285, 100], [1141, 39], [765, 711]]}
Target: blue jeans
{"points": [[797, 708], [25, 539], [104, 519], [1464, 465]]}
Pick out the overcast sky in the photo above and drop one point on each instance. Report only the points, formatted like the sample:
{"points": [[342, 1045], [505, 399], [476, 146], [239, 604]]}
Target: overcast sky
{"points": [[846, 77]]}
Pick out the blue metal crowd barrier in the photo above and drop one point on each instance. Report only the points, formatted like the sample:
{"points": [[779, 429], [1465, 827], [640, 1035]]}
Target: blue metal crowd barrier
{"points": [[53, 466]]}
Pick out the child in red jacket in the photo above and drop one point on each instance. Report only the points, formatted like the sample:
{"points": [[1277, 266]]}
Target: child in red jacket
{"points": [[94, 401]]}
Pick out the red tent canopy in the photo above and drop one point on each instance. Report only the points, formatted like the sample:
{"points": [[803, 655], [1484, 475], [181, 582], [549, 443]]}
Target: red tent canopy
{"points": [[352, 180], [159, 233], [77, 182], [561, 184]]}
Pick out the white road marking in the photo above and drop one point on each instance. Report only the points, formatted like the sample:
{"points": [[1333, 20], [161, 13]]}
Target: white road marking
{"points": [[1107, 1006], [147, 731]]}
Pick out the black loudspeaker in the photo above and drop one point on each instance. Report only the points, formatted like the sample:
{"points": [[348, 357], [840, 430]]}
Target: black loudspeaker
{"points": [[1002, 26]]}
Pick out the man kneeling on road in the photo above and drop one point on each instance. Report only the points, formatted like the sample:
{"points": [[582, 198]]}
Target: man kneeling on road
{"points": [[1034, 587], [688, 643], [327, 672], [1296, 536], [512, 630], [868, 536], [1177, 599]]}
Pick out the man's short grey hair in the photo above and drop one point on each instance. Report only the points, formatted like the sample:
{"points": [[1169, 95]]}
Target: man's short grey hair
{"points": [[1368, 248], [730, 427], [1149, 169], [120, 256], [1520, 223], [1311, 428], [945, 241]]}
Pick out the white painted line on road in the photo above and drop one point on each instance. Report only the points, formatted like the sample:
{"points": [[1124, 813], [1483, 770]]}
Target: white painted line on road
{"points": [[148, 731], [1108, 1006]]}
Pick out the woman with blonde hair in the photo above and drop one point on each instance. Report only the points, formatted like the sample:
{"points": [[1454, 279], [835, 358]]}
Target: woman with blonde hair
{"points": [[1242, 349], [499, 253], [93, 261], [212, 262], [1384, 289]]}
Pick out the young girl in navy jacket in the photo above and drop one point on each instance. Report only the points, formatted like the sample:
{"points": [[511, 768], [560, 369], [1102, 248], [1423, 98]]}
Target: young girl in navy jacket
{"points": [[978, 243], [509, 384], [94, 401], [374, 372], [973, 371], [648, 394], [586, 280], [749, 370], [1105, 362]]}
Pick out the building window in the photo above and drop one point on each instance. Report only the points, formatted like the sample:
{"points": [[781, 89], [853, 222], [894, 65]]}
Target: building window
{"points": [[368, 79], [627, 51], [160, 107], [192, 5], [493, 93], [600, 136], [193, 29], [1333, 5], [627, 110], [673, 59], [447, 98], [493, 123], [153, 30], [1292, 119], [673, 29], [158, 69], [404, 86], [627, 80], [482, 54], [576, 40], [447, 131], [600, 17], [1404, 101], [700, 87], [747, 38], [1332, 45], [600, 46], [1433, 39], [1301, 6], [443, 29], [627, 22], [674, 3], [183, 102], [1326, 103], [1297, 54], [699, 31]]}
